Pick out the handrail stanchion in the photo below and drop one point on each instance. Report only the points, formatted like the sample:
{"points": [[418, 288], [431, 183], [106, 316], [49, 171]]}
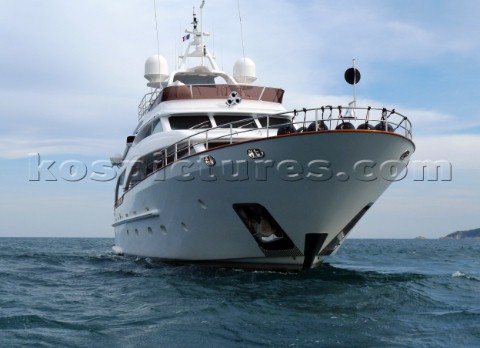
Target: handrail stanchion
{"points": [[268, 125], [206, 140], [189, 146], [175, 157], [330, 118], [231, 134], [316, 120]]}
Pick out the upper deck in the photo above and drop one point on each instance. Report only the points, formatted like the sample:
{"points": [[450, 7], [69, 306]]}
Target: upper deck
{"points": [[210, 91]]}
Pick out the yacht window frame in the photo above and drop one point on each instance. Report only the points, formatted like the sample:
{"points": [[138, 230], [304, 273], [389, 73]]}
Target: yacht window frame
{"points": [[148, 129], [140, 167], [120, 182]]}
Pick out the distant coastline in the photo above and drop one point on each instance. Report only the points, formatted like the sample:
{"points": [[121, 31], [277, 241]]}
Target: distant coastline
{"points": [[470, 234]]}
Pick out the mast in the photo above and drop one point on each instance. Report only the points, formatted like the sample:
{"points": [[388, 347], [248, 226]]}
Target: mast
{"points": [[201, 30], [196, 47]]}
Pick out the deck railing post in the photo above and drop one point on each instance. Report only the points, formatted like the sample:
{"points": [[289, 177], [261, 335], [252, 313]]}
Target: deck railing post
{"points": [[268, 125]]}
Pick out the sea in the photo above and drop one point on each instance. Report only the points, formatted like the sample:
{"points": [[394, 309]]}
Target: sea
{"points": [[70, 292]]}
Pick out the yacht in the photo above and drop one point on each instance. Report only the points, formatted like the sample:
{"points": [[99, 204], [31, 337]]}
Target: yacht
{"points": [[218, 172]]}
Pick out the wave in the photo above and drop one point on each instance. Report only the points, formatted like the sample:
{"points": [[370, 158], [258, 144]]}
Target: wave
{"points": [[459, 274], [33, 321]]}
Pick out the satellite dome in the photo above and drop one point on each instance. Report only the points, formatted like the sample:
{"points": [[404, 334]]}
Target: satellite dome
{"points": [[244, 70], [156, 70], [116, 159]]}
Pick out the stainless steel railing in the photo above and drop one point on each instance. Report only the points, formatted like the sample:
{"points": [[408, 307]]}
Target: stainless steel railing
{"points": [[322, 119], [325, 118], [147, 102]]}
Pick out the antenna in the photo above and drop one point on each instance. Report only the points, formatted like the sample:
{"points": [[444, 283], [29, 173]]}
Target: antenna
{"points": [[156, 28], [201, 29], [241, 28]]}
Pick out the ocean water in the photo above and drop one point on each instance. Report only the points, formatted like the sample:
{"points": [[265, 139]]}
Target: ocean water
{"points": [[373, 293]]}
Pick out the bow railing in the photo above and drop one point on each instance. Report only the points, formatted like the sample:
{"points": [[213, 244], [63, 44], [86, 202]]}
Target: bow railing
{"points": [[316, 120], [325, 118]]}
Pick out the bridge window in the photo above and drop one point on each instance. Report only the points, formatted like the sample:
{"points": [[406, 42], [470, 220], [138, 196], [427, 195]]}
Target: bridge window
{"points": [[190, 122], [274, 122], [237, 121]]}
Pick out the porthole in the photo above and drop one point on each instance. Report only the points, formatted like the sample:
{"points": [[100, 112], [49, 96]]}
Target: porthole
{"points": [[255, 153], [404, 155], [209, 160]]}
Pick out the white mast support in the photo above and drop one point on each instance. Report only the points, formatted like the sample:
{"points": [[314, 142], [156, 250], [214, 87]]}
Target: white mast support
{"points": [[196, 49]]}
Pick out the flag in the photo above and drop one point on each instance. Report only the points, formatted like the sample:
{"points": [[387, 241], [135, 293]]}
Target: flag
{"points": [[186, 37]]}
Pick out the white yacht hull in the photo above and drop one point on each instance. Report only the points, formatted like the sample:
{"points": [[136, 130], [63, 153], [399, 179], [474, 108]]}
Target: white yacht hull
{"points": [[184, 213]]}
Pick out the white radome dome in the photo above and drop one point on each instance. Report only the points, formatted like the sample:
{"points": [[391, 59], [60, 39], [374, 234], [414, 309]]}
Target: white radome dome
{"points": [[116, 159], [244, 71], [156, 70]]}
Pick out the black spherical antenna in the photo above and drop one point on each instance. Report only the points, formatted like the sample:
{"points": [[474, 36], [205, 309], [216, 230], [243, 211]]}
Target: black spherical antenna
{"points": [[352, 76]]}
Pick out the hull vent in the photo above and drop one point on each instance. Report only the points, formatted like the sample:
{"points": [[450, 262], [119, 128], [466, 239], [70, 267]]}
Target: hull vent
{"points": [[269, 235]]}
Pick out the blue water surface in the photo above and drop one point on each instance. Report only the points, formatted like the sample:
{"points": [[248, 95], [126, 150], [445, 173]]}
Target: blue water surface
{"points": [[373, 293]]}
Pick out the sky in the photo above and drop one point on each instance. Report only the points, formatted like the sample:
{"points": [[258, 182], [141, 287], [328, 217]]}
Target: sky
{"points": [[71, 78]]}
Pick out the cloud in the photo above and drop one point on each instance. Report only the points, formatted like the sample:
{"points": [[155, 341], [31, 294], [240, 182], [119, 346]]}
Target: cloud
{"points": [[72, 76], [12, 147], [457, 149], [72, 123]]}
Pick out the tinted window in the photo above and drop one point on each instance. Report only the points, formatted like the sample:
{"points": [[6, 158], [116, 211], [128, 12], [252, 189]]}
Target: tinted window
{"points": [[189, 122], [157, 126], [194, 79], [120, 180], [153, 127], [237, 121], [274, 121]]}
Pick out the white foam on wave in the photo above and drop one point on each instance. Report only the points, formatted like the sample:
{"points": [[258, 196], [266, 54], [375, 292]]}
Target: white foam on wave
{"points": [[117, 250], [458, 274]]}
